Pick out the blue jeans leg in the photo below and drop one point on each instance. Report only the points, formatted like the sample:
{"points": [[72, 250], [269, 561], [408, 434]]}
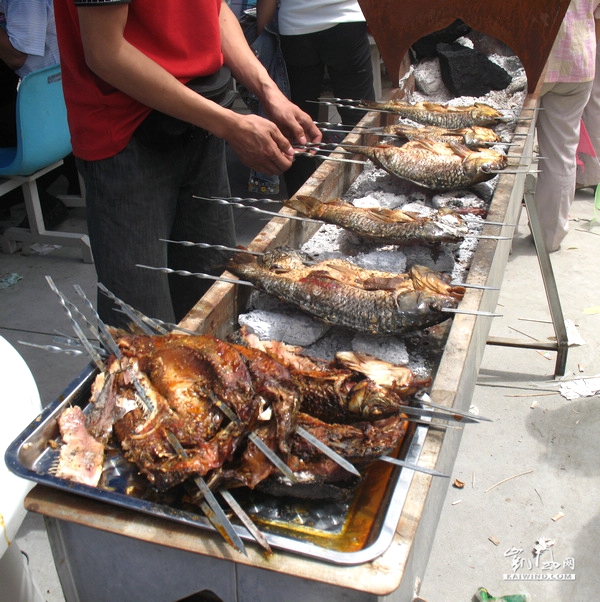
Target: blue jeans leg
{"points": [[142, 195]]}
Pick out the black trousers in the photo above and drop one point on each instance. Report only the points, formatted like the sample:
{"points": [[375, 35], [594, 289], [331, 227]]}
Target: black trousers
{"points": [[342, 52]]}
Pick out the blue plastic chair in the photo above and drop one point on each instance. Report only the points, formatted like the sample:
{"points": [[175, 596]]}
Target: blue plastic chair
{"points": [[43, 140]]}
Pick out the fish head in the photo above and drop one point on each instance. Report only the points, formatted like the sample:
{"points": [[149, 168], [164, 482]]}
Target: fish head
{"points": [[477, 135], [434, 286], [284, 258], [370, 400], [447, 227], [485, 114], [482, 165]]}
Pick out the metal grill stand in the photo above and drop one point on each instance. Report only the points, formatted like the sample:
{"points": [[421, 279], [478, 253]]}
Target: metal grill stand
{"points": [[561, 346]]}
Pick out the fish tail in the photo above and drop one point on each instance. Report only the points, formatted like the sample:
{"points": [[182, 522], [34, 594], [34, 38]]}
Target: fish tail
{"points": [[304, 204]]}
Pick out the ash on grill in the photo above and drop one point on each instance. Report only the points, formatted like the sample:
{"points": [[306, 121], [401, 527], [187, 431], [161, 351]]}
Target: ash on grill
{"points": [[420, 351]]}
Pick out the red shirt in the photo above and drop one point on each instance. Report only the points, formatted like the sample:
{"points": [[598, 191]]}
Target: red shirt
{"points": [[182, 36]]}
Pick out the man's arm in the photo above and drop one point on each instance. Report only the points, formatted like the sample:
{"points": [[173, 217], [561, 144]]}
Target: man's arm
{"points": [[246, 68], [14, 58], [258, 142]]}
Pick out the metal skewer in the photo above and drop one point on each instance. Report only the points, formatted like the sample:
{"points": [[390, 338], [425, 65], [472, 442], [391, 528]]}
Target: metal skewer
{"points": [[204, 245], [262, 446], [441, 413], [339, 159], [135, 316], [211, 508], [78, 331], [327, 450], [410, 466], [246, 520], [472, 312], [273, 457], [255, 209], [426, 400], [54, 348]]}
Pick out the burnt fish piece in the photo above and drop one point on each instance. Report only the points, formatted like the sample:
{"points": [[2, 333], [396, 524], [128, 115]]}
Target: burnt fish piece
{"points": [[431, 113], [384, 226], [473, 136], [435, 165], [382, 310]]}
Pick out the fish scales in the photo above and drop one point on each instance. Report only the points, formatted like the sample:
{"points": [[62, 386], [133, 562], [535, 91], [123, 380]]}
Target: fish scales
{"points": [[384, 226], [369, 311], [435, 165], [430, 113], [472, 137]]}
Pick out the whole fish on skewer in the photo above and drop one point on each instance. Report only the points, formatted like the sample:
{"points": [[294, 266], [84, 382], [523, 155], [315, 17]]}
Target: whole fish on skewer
{"points": [[385, 226], [435, 165], [339, 292], [472, 137], [431, 113]]}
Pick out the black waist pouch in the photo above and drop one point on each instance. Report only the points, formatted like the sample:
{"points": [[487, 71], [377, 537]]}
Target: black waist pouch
{"points": [[160, 129]]}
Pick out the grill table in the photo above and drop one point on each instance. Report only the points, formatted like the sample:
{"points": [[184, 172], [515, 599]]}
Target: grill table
{"points": [[104, 552]]}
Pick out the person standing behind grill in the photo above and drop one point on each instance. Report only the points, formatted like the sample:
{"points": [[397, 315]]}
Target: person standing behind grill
{"points": [[320, 35], [564, 94], [588, 172], [148, 97]]}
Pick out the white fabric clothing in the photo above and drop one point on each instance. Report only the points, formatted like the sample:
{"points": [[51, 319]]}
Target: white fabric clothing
{"points": [[297, 17], [31, 30], [561, 107]]}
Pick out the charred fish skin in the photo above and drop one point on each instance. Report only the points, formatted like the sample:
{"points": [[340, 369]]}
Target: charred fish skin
{"points": [[472, 137], [393, 227], [368, 311], [430, 113], [438, 166]]}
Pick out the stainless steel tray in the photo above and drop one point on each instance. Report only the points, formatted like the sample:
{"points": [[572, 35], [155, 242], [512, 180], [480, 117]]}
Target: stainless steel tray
{"points": [[352, 532]]}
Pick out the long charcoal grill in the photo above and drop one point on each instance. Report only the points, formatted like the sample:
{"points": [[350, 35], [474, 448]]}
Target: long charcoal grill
{"points": [[395, 573]]}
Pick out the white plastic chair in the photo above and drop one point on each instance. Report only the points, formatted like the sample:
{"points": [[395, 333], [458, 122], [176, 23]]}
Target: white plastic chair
{"points": [[20, 403], [43, 140]]}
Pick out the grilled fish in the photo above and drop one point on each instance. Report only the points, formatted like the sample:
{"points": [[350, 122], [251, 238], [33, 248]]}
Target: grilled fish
{"points": [[472, 137], [435, 165], [431, 113], [385, 226], [362, 300]]}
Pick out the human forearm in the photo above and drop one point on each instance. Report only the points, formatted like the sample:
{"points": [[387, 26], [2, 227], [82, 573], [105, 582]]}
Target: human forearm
{"points": [[14, 58], [138, 76]]}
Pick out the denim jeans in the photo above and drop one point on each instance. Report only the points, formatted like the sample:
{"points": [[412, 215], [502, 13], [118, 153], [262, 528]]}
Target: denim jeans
{"points": [[266, 47], [145, 194]]}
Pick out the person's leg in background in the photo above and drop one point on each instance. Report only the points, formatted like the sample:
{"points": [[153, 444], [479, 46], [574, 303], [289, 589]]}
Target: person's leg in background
{"points": [[558, 122], [306, 72], [589, 173], [346, 52]]}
